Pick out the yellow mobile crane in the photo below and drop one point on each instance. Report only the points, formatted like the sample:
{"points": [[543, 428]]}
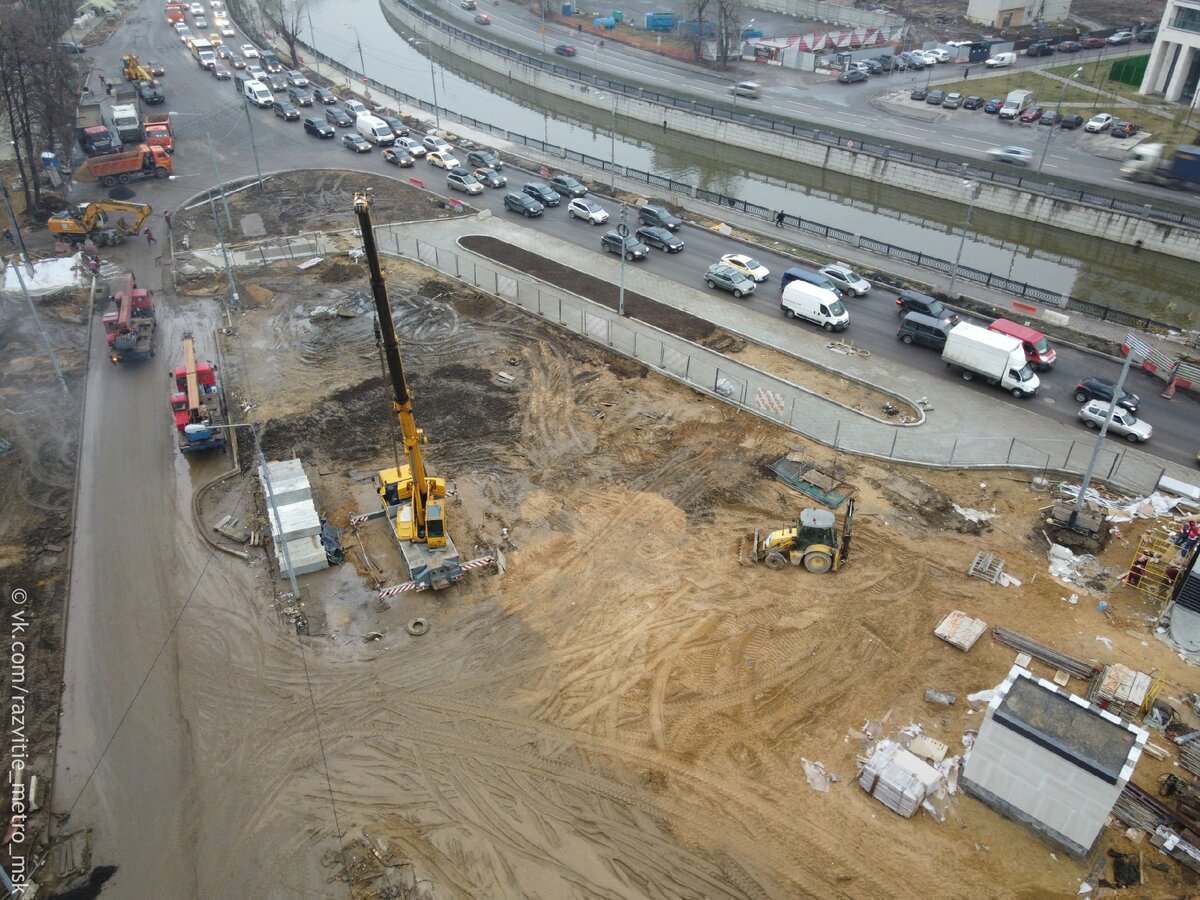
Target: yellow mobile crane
{"points": [[135, 71], [411, 498]]}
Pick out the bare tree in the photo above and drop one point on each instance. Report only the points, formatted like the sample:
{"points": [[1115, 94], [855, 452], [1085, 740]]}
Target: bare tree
{"points": [[283, 16], [729, 30], [696, 10]]}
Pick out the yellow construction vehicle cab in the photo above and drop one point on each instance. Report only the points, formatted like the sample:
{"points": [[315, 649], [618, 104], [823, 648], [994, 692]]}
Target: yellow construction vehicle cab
{"points": [[135, 71], [813, 542], [91, 221]]}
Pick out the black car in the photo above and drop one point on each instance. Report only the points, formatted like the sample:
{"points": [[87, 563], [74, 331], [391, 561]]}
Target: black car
{"points": [[150, 93], [1125, 129], [629, 245], [398, 156], [317, 128], [522, 203], [71, 47], [300, 96], [325, 95], [973, 102], [285, 110], [935, 98], [915, 301], [1102, 389], [399, 129], [564, 50], [657, 236], [568, 186], [335, 115], [356, 142], [484, 159], [542, 193], [919, 94], [874, 66], [274, 83], [1070, 47], [1071, 122], [489, 177], [1040, 48], [659, 215], [1050, 118]]}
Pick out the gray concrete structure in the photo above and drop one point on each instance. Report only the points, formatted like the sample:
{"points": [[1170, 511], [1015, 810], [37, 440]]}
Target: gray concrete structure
{"points": [[1050, 759]]}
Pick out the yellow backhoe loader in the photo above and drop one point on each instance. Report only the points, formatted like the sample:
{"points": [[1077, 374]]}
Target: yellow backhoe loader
{"points": [[813, 542]]}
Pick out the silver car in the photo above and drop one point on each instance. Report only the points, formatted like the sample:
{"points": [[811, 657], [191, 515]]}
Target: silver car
{"points": [[1017, 156], [1095, 412]]}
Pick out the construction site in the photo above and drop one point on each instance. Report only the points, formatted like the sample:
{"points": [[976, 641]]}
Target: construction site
{"points": [[702, 656]]}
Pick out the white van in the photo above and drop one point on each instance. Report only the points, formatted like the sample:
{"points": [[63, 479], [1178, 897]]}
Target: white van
{"points": [[355, 108], [256, 92], [802, 300], [375, 130], [1016, 103], [1001, 61]]}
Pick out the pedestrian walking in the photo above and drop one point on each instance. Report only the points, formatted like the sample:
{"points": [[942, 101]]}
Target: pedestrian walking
{"points": [[779, 219], [150, 238], [8, 236], [103, 81], [966, 73], [108, 89], [167, 218]]}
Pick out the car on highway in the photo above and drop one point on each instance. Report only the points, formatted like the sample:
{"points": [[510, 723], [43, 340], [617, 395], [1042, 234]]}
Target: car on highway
{"points": [[223, 52], [588, 209], [852, 76], [200, 23], [750, 89], [919, 94], [1093, 43], [275, 83], [257, 72], [747, 265], [285, 110], [1125, 129], [1146, 34], [432, 142], [659, 215], [227, 30], [1094, 388], [729, 279], [156, 68], [568, 186], [1070, 123], [1039, 48], [237, 62], [183, 31], [993, 106], [1000, 61], [542, 193], [973, 102], [874, 66], [480, 158], [440, 159], [196, 9], [469, 4], [483, 19], [952, 101], [1098, 123], [1069, 47], [399, 129], [489, 177], [629, 245], [317, 128], [335, 115], [460, 179], [296, 78], [354, 141], [1031, 115], [398, 156], [565, 50], [150, 94], [847, 279], [657, 236], [522, 203], [1095, 412], [413, 146], [915, 301], [325, 95], [299, 96], [1120, 37], [1016, 156], [221, 73], [249, 51], [935, 98]]}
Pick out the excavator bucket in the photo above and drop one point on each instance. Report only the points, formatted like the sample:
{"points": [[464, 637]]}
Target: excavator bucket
{"points": [[749, 548]]}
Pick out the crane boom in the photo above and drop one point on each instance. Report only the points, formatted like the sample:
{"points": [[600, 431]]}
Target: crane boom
{"points": [[193, 383]]}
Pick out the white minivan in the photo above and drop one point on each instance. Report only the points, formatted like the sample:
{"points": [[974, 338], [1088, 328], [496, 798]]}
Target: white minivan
{"points": [[256, 92], [355, 108], [801, 300], [375, 130]]}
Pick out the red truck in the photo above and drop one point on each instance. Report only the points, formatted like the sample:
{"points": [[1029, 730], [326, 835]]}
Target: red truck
{"points": [[142, 162], [174, 13], [129, 325], [157, 129]]}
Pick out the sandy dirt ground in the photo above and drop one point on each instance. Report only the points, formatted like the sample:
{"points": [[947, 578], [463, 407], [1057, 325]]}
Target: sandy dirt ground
{"points": [[626, 712]]}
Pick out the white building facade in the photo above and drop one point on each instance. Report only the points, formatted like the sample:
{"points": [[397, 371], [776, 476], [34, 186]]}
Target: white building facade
{"points": [[1015, 13], [1174, 68]]}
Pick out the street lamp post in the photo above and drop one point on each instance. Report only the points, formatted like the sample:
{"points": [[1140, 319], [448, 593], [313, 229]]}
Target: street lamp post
{"points": [[974, 189], [361, 62], [1058, 112], [623, 231], [612, 149]]}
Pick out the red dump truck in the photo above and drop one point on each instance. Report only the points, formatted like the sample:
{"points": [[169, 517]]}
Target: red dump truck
{"points": [[121, 168], [157, 129], [174, 13]]}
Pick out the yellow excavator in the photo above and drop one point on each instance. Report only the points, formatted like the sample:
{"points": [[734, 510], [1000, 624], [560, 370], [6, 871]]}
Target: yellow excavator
{"points": [[411, 498], [92, 221], [135, 71]]}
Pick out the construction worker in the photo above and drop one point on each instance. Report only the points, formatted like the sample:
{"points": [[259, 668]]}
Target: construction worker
{"points": [[8, 236], [150, 239], [167, 218]]}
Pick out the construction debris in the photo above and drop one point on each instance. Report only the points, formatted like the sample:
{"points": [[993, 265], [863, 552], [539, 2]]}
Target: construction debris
{"points": [[1068, 664], [961, 631], [897, 778], [818, 779], [946, 698], [1125, 692], [987, 567]]}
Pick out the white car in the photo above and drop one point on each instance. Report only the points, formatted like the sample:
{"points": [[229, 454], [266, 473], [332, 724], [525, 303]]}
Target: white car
{"points": [[847, 279], [1098, 123], [296, 78], [227, 31], [1017, 156], [747, 265], [587, 208], [942, 56], [929, 56], [412, 146], [443, 160], [197, 9], [258, 73], [249, 51], [435, 144], [1124, 423]]}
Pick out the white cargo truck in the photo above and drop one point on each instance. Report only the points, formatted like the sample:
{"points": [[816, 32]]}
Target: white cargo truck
{"points": [[996, 358], [1016, 103]]}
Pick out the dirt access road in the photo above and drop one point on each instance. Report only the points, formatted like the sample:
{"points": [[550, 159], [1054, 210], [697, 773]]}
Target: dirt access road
{"points": [[624, 714]]}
